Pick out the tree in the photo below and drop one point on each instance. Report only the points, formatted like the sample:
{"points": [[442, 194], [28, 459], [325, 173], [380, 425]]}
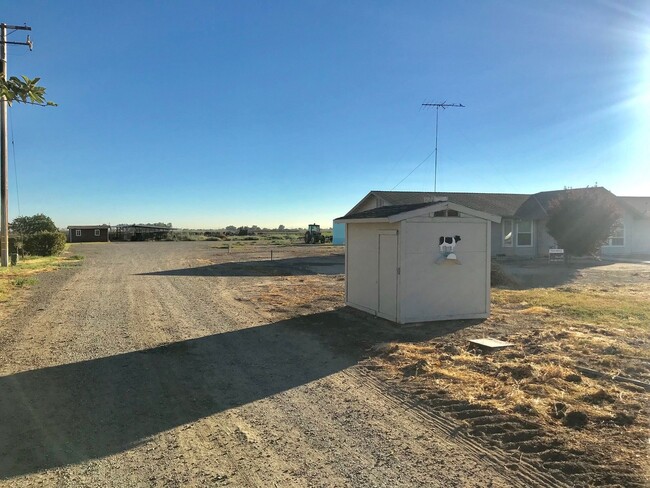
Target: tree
{"points": [[280, 227], [31, 225], [581, 221], [24, 91]]}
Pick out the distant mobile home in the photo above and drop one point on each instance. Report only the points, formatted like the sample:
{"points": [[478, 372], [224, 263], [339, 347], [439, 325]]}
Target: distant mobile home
{"points": [[88, 233]]}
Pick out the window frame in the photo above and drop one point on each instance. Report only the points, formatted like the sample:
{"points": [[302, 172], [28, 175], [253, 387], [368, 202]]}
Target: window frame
{"points": [[77, 233], [532, 227], [503, 232], [98, 233], [620, 225]]}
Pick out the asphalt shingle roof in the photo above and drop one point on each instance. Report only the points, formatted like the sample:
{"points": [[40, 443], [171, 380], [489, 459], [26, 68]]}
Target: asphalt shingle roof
{"points": [[503, 204], [518, 205], [387, 211], [536, 206], [640, 204]]}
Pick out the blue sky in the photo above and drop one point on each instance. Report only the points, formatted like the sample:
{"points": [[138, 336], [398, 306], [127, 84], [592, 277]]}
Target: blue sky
{"points": [[211, 113]]}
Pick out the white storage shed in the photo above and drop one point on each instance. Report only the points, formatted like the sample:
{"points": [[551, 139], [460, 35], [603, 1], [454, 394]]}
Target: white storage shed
{"points": [[420, 262]]}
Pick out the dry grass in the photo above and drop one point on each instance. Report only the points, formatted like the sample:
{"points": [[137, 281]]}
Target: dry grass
{"points": [[298, 295], [22, 276], [554, 332], [605, 306]]}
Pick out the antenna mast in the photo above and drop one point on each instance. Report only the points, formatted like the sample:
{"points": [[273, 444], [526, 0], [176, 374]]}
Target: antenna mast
{"points": [[439, 106]]}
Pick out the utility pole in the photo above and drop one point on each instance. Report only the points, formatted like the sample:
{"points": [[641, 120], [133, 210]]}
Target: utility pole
{"points": [[439, 106], [4, 149]]}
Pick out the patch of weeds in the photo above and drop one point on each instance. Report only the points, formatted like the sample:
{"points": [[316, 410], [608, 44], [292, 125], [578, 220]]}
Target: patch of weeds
{"points": [[24, 281], [77, 257]]}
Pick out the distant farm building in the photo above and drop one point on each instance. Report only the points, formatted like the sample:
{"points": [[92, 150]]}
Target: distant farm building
{"points": [[141, 232], [88, 233]]}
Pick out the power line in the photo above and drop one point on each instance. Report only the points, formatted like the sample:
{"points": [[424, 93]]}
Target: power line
{"points": [[13, 150], [439, 106], [413, 170]]}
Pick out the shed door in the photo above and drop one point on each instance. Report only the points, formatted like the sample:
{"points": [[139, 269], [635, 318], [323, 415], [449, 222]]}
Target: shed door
{"points": [[388, 275]]}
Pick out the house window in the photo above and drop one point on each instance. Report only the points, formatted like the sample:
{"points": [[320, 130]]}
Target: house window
{"points": [[77, 232], [97, 232], [617, 238], [525, 233], [507, 233]]}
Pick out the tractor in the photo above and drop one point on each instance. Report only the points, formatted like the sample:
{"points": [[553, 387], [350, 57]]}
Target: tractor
{"points": [[313, 234]]}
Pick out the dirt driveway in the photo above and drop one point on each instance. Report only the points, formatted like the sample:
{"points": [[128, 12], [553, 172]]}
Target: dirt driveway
{"points": [[148, 366]]}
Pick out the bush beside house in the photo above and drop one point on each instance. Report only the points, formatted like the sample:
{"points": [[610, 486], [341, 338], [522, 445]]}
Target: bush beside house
{"points": [[45, 243], [36, 235]]}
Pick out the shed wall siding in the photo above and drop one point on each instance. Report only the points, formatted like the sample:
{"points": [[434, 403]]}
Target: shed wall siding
{"points": [[431, 291], [362, 260]]}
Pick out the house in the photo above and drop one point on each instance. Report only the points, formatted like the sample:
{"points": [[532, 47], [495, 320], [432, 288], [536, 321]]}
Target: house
{"points": [[419, 262], [522, 230], [88, 233]]}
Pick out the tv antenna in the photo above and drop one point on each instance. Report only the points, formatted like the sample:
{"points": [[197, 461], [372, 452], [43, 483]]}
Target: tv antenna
{"points": [[439, 106]]}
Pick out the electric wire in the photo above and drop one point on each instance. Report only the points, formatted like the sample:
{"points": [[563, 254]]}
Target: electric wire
{"points": [[406, 151], [413, 170], [13, 149]]}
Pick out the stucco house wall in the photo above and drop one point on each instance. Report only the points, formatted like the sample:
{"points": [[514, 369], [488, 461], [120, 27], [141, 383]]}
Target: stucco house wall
{"points": [[636, 237]]}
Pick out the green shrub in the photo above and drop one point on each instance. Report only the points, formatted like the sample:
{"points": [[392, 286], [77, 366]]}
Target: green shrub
{"points": [[44, 243]]}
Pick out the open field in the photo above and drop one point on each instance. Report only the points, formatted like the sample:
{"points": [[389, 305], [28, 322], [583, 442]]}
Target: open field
{"points": [[178, 363]]}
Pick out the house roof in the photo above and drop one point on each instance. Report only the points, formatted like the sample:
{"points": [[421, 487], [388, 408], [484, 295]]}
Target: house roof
{"points": [[504, 204], [640, 204], [536, 207], [396, 213], [518, 205], [103, 226]]}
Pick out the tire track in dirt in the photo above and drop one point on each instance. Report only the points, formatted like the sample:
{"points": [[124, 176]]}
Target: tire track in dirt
{"points": [[526, 474]]}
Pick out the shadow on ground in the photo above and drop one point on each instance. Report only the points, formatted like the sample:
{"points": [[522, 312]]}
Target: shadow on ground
{"points": [[539, 273], [72, 413], [310, 265]]}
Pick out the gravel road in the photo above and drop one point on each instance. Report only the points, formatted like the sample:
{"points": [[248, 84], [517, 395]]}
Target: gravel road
{"points": [[141, 367]]}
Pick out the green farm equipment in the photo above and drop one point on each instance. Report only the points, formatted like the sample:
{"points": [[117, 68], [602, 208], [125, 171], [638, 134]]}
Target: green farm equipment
{"points": [[314, 235]]}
